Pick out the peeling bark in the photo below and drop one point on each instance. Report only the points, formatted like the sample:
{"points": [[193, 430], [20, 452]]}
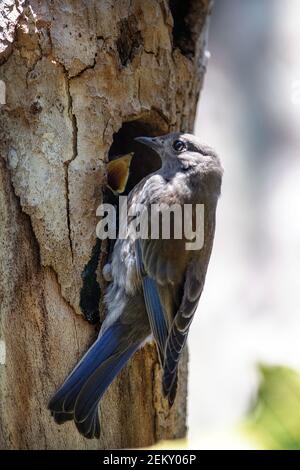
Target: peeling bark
{"points": [[81, 76]]}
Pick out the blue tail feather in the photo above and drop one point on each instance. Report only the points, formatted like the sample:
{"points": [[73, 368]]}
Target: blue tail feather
{"points": [[95, 386], [99, 352], [80, 394]]}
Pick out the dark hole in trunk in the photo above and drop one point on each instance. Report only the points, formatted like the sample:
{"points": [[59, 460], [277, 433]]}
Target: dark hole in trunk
{"points": [[188, 17], [90, 291], [145, 160]]}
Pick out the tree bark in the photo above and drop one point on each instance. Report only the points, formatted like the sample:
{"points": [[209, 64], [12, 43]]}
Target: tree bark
{"points": [[82, 78]]}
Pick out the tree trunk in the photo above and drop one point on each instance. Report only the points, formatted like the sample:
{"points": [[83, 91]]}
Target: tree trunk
{"points": [[82, 79]]}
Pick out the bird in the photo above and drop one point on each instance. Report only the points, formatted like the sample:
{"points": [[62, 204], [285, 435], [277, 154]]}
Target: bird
{"points": [[156, 282], [118, 173]]}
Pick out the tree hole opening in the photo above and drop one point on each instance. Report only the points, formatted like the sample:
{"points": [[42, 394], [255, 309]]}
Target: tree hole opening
{"points": [[188, 17], [144, 160]]}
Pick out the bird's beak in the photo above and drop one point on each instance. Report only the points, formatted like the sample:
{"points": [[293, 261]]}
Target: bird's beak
{"points": [[151, 142], [118, 173]]}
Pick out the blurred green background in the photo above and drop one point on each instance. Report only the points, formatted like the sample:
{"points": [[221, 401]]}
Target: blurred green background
{"points": [[275, 417]]}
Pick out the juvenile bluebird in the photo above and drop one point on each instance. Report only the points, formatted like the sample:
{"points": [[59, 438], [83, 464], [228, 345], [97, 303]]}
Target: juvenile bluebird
{"points": [[156, 282]]}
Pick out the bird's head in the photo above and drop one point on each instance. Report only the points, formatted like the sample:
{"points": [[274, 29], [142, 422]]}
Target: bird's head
{"points": [[183, 150]]}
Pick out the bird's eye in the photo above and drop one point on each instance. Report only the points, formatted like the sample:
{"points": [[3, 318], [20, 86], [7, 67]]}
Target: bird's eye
{"points": [[179, 146]]}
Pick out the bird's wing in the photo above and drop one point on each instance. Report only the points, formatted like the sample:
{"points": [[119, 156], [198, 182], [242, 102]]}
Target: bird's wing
{"points": [[161, 266], [154, 307], [170, 307], [193, 286], [172, 286]]}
